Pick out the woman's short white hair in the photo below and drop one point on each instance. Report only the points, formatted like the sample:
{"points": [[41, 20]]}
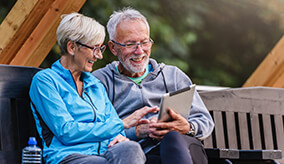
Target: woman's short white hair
{"points": [[122, 15], [77, 27]]}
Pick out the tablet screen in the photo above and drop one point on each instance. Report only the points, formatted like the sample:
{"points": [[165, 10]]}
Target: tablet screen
{"points": [[180, 101]]}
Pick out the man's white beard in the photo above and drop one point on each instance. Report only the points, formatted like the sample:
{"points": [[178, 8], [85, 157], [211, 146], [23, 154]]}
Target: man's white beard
{"points": [[134, 69]]}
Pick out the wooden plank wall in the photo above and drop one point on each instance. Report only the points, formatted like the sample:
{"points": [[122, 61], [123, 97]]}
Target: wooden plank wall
{"points": [[29, 30], [271, 71]]}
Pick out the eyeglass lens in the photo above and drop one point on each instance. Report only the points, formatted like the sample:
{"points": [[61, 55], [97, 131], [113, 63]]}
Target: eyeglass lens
{"points": [[144, 45], [99, 49], [102, 48]]}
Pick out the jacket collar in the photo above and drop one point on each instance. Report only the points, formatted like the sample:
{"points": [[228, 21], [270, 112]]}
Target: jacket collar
{"points": [[87, 78]]}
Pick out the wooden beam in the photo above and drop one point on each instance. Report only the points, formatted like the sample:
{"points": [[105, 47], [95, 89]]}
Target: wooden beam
{"points": [[18, 25], [43, 38], [271, 71], [279, 82], [32, 34]]}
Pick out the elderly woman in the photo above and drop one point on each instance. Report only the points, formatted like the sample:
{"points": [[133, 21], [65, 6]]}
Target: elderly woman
{"points": [[73, 114]]}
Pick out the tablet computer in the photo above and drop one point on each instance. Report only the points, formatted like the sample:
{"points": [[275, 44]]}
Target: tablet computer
{"points": [[180, 101]]}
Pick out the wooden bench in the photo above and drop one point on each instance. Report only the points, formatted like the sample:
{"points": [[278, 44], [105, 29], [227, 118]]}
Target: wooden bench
{"points": [[248, 125], [249, 121], [16, 120]]}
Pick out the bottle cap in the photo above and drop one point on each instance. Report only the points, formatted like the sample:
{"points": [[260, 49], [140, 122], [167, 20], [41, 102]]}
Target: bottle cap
{"points": [[32, 141]]}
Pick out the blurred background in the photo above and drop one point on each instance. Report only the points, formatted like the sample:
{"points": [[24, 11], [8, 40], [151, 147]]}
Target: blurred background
{"points": [[216, 42]]}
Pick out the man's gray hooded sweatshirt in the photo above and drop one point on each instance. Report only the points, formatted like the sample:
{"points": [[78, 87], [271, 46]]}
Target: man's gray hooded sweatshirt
{"points": [[127, 96]]}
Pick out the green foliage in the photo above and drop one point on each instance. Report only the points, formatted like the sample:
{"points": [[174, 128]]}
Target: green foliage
{"points": [[216, 42], [5, 7]]}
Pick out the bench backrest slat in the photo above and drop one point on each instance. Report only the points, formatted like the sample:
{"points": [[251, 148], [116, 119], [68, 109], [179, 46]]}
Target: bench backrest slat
{"points": [[256, 138], [279, 127], [219, 130], [244, 134], [267, 129], [231, 126], [208, 143]]}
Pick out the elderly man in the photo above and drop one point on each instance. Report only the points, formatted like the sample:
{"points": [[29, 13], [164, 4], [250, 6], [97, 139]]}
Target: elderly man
{"points": [[136, 81]]}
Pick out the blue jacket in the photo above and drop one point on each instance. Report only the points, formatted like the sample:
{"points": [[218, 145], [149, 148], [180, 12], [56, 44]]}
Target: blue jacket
{"points": [[128, 96], [68, 123]]}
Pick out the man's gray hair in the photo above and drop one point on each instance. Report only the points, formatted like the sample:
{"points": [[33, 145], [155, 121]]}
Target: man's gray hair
{"points": [[121, 15], [77, 27]]}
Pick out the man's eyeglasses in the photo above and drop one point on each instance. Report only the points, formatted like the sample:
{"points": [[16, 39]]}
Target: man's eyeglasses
{"points": [[95, 49], [145, 45]]}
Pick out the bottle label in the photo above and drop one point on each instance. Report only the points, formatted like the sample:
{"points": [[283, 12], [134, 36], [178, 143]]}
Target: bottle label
{"points": [[31, 157]]}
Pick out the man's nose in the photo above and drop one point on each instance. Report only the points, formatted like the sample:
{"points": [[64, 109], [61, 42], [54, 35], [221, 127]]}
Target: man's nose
{"points": [[139, 49]]}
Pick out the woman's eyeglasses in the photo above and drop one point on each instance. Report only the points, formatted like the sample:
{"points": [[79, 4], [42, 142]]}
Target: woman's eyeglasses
{"points": [[95, 49]]}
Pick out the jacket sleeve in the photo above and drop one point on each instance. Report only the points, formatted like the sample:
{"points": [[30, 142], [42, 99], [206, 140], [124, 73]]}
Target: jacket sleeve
{"points": [[130, 133], [52, 109], [199, 114]]}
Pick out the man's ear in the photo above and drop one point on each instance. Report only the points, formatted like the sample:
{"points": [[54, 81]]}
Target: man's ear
{"points": [[71, 48], [112, 48]]}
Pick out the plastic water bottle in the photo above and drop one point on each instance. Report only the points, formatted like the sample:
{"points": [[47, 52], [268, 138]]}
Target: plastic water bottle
{"points": [[31, 153]]}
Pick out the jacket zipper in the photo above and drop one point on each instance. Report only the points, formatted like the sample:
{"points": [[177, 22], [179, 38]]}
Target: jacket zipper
{"points": [[99, 148], [92, 105]]}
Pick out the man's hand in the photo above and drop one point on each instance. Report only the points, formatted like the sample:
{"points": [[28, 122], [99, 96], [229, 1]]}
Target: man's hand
{"points": [[117, 139], [143, 130], [134, 118], [178, 123]]}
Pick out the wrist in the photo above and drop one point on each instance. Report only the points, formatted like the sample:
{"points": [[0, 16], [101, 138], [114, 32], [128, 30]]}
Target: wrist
{"points": [[130, 133], [126, 126], [191, 131]]}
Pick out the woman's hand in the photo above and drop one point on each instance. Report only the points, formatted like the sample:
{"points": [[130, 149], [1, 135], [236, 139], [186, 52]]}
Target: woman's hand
{"points": [[134, 118], [143, 130], [117, 139]]}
